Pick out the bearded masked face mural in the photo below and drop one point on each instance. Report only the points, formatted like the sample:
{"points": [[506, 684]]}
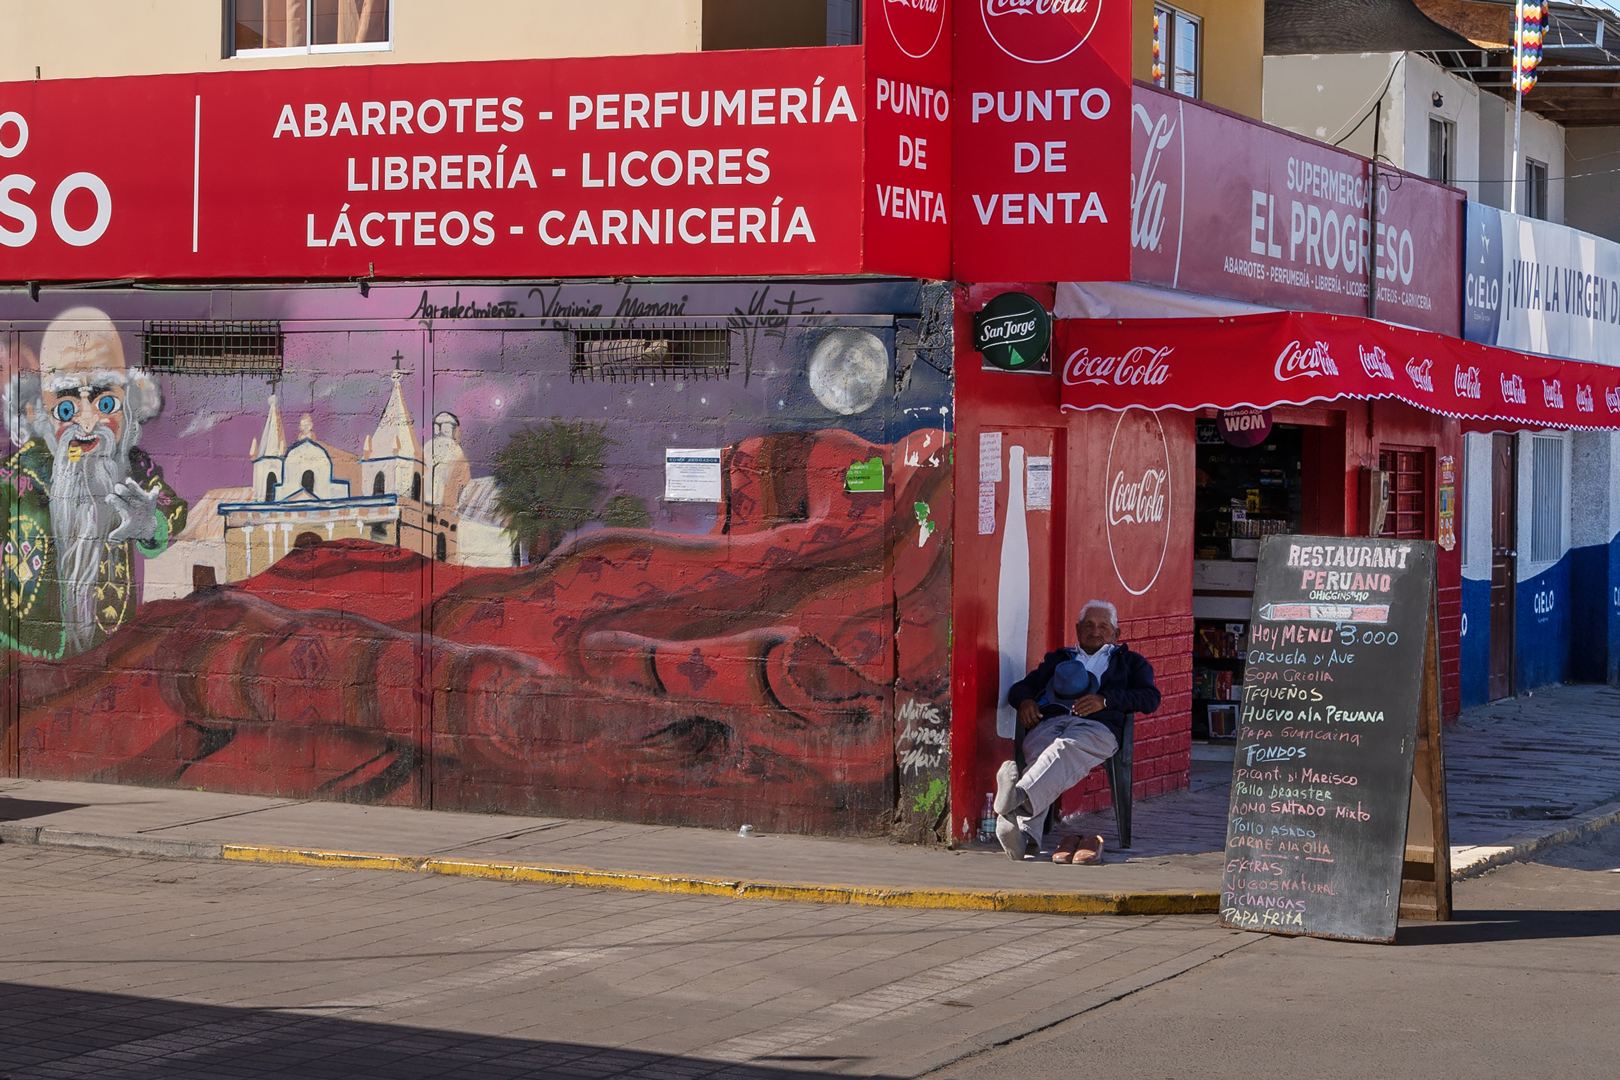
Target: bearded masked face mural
{"points": [[79, 496]]}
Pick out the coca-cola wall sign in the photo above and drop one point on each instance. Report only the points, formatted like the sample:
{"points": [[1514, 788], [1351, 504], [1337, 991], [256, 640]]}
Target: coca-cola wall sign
{"points": [[1223, 206], [908, 144], [1139, 499], [745, 163], [1042, 138], [1250, 363]]}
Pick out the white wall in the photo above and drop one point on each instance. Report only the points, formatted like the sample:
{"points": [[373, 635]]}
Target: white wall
{"points": [[1592, 192], [1476, 506], [1419, 80], [1595, 488], [1321, 96], [1541, 140]]}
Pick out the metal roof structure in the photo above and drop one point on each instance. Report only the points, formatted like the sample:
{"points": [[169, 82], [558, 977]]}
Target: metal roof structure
{"points": [[1579, 77]]}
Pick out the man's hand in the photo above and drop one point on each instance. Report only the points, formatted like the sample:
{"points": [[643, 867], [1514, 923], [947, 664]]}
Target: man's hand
{"points": [[1091, 703], [137, 512], [1029, 714]]}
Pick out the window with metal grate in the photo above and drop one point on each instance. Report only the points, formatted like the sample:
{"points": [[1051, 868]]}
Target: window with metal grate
{"points": [[217, 347], [650, 354], [1546, 498], [1409, 515]]}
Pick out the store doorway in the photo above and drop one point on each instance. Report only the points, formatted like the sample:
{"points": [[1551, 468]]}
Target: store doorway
{"points": [[1504, 581], [1243, 495]]}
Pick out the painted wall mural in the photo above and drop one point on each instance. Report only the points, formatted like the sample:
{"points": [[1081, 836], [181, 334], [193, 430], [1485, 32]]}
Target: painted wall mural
{"points": [[431, 561]]}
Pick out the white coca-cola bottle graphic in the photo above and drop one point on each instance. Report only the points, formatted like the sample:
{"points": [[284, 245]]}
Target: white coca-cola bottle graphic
{"points": [[1012, 595]]}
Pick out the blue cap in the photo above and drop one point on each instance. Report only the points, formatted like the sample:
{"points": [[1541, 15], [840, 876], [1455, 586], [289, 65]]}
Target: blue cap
{"points": [[1072, 680]]}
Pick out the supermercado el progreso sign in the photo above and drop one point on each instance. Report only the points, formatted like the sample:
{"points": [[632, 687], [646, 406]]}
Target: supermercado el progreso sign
{"points": [[721, 163]]}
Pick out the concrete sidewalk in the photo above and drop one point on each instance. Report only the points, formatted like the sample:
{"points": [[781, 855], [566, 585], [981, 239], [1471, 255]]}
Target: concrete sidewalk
{"points": [[1522, 774]]}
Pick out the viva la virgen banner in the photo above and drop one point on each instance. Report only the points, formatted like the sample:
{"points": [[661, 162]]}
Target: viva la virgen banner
{"points": [[716, 163], [1223, 206], [1541, 288]]}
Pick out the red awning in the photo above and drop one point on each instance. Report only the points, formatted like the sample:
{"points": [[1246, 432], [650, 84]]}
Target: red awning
{"points": [[1295, 358]]}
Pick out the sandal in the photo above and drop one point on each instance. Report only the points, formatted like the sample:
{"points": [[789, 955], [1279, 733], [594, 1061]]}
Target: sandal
{"points": [[1089, 850], [1066, 850]]}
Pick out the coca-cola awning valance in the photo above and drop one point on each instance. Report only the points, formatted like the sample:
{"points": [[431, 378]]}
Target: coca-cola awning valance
{"points": [[1295, 358]]}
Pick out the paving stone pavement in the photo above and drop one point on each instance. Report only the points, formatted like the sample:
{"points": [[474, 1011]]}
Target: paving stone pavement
{"points": [[118, 967]]}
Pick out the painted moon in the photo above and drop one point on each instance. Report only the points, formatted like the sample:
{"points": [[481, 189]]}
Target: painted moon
{"points": [[849, 370]]}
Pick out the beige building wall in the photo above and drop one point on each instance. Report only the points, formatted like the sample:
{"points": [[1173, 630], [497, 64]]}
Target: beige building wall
{"points": [[70, 39], [1232, 50]]}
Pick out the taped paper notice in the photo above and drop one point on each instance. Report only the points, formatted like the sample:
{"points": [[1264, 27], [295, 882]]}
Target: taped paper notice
{"points": [[987, 508], [989, 457], [692, 475], [1038, 492]]}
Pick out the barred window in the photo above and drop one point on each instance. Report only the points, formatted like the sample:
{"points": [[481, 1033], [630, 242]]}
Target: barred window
{"points": [[1546, 498], [649, 354], [219, 347]]}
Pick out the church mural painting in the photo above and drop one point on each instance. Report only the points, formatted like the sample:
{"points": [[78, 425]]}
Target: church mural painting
{"points": [[427, 562]]}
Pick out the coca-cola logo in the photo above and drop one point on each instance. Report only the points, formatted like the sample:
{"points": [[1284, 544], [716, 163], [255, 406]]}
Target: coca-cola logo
{"points": [[1513, 390], [1139, 508], [915, 25], [1583, 398], [1552, 394], [1144, 365], [1297, 362], [1611, 398], [1374, 363], [1040, 31], [1148, 191], [1421, 374], [1466, 382]]}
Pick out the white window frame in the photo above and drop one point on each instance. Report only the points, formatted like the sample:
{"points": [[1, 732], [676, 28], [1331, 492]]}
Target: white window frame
{"points": [[1544, 525], [310, 50], [1448, 163], [1169, 53]]}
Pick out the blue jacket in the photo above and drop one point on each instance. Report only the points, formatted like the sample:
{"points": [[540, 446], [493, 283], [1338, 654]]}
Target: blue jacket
{"points": [[1127, 687]]}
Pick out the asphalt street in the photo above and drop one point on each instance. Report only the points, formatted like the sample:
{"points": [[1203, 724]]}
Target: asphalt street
{"points": [[116, 966]]}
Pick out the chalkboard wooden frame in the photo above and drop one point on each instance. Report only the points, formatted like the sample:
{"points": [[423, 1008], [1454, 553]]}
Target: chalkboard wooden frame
{"points": [[1337, 822]]}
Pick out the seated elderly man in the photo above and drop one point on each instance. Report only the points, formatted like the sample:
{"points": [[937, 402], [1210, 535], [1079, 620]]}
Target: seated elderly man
{"points": [[1072, 709]]}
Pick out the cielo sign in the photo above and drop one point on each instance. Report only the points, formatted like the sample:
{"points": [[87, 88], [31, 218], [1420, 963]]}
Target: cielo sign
{"points": [[1013, 333], [916, 26], [1139, 499], [1040, 31]]}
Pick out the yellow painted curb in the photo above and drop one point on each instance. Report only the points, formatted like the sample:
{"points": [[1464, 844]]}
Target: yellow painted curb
{"points": [[1162, 902]]}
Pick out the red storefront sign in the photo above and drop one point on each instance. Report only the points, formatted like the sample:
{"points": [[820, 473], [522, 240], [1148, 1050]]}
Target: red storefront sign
{"points": [[908, 145], [1290, 357], [739, 163], [1042, 137], [1224, 206]]}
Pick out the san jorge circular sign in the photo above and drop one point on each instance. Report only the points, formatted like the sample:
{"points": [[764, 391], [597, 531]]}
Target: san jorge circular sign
{"points": [[1013, 333]]}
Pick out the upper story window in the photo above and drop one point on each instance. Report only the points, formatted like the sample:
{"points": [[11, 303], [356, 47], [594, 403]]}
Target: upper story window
{"points": [[1176, 50], [293, 27], [1442, 150], [781, 24], [1535, 188]]}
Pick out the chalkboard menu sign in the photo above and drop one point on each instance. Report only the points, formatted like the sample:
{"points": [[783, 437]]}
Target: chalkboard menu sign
{"points": [[1339, 671]]}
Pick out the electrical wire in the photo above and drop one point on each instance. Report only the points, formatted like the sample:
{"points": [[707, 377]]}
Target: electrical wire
{"points": [[1372, 103]]}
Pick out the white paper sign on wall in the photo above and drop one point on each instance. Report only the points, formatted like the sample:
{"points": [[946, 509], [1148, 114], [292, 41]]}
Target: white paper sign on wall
{"points": [[692, 475], [1038, 494]]}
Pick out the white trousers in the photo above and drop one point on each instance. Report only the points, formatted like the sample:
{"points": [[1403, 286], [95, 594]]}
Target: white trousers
{"points": [[1060, 751]]}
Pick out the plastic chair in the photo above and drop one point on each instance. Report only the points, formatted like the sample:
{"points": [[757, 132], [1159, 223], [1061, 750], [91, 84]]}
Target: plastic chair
{"points": [[1119, 770]]}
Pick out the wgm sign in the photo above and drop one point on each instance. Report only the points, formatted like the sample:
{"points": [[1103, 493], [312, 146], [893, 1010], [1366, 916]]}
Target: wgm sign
{"points": [[1542, 288], [1014, 333]]}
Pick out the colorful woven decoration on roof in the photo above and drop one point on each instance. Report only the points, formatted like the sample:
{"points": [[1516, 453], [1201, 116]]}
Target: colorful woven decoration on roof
{"points": [[1530, 21]]}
